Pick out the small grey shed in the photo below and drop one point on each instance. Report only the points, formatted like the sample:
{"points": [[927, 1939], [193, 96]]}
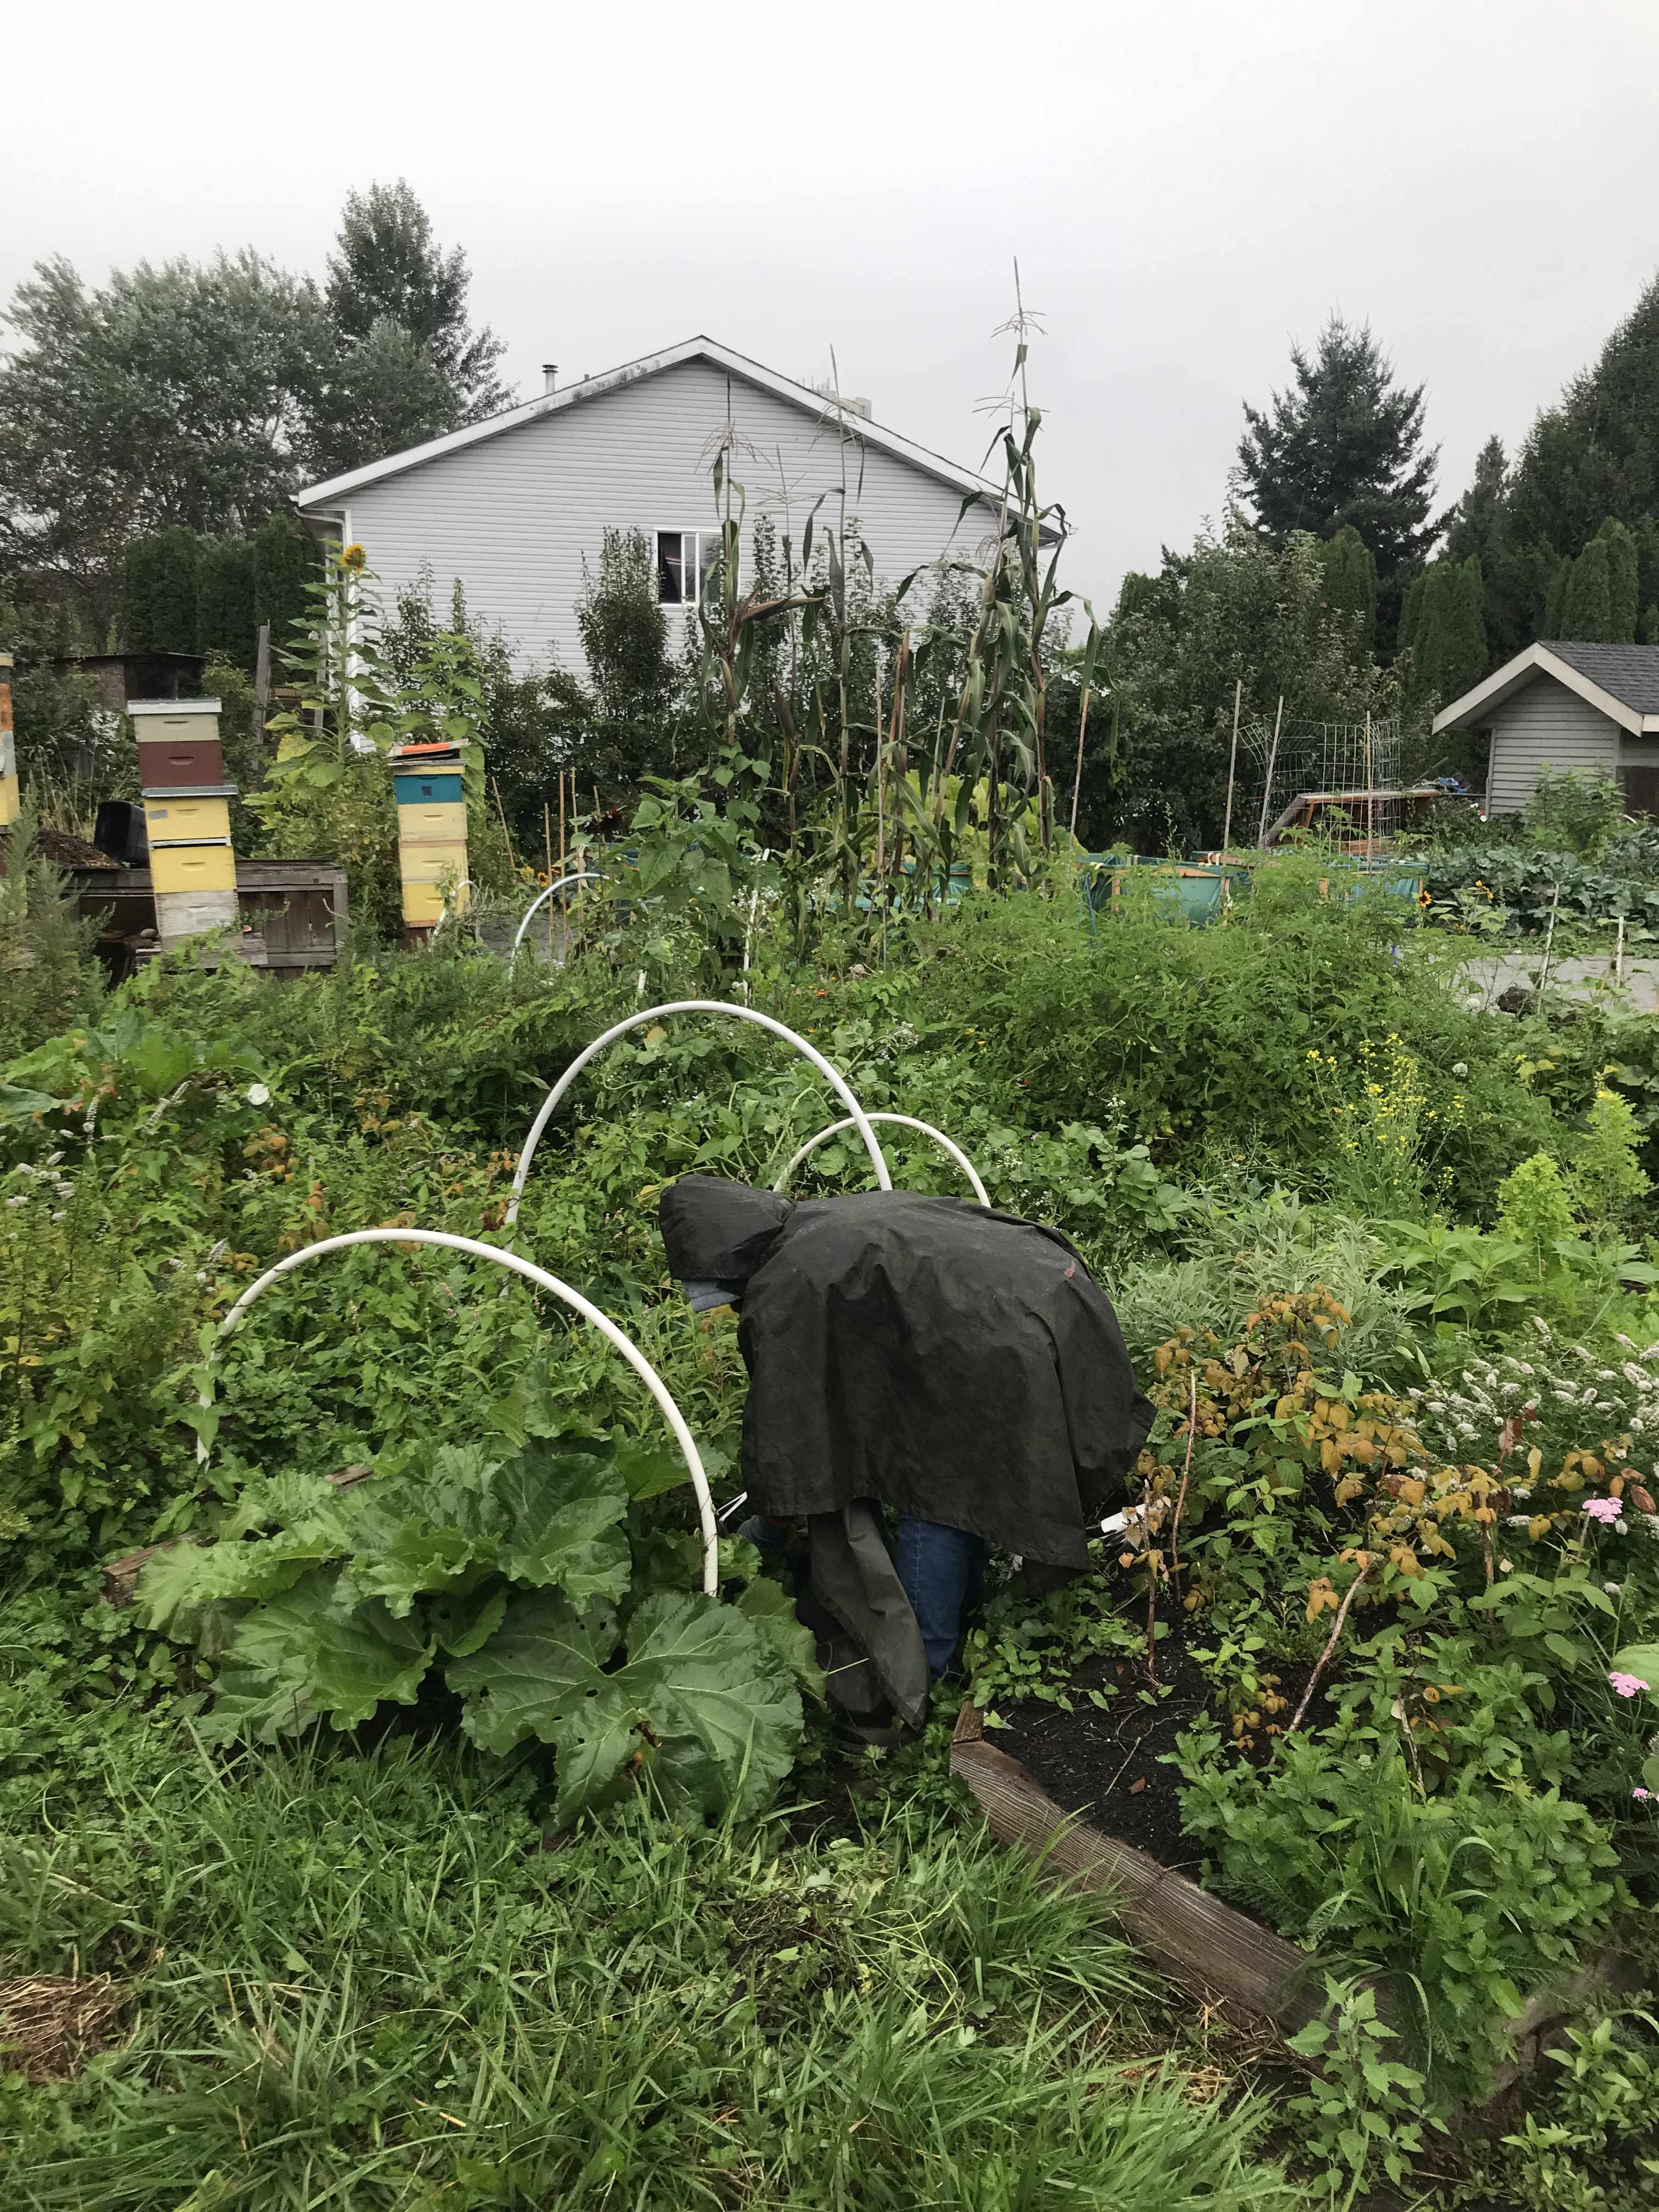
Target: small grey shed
{"points": [[1564, 704]]}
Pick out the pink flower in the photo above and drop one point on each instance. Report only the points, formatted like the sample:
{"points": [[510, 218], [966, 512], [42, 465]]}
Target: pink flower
{"points": [[1604, 1510], [1641, 1796], [1626, 1685]]}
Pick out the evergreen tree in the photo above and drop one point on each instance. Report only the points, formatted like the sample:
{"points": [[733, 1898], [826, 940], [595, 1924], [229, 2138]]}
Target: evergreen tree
{"points": [[1411, 613], [159, 593], [1450, 646], [1622, 580], [1587, 610], [1473, 522], [1594, 454], [224, 599], [1350, 584], [1344, 446], [283, 560], [1555, 599], [410, 366]]}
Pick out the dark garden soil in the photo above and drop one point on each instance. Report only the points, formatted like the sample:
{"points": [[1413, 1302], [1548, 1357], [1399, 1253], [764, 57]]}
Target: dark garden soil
{"points": [[1105, 1763]]}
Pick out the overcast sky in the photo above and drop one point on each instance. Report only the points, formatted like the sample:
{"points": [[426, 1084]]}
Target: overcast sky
{"points": [[1188, 185]]}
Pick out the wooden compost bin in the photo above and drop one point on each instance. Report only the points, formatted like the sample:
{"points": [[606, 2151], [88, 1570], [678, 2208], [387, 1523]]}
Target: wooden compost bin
{"points": [[1222, 1955]]}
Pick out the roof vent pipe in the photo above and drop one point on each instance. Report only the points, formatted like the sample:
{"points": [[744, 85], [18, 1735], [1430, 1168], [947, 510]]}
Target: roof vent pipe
{"points": [[550, 375]]}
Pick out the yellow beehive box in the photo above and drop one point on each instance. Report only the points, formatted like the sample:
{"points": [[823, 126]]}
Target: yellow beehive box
{"points": [[425, 863], [444, 818], [194, 722], [206, 868], [423, 904], [171, 821]]}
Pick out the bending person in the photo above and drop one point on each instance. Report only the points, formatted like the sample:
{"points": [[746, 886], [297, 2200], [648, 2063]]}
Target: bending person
{"points": [[927, 1378]]}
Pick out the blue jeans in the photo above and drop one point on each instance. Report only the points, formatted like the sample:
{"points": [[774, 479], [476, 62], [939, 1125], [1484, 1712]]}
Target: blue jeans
{"points": [[942, 1570]]}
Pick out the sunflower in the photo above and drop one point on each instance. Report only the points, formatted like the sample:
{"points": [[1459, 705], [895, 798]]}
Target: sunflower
{"points": [[354, 557]]}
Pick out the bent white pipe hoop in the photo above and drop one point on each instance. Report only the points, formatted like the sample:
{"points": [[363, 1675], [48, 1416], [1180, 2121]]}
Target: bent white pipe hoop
{"points": [[582, 876], [905, 1121], [607, 1329], [838, 1084]]}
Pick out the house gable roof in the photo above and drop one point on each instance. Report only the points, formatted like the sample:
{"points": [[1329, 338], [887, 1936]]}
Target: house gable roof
{"points": [[317, 496], [1619, 681]]}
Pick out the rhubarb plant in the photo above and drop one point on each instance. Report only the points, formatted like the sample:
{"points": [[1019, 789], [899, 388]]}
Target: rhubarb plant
{"points": [[527, 1584]]}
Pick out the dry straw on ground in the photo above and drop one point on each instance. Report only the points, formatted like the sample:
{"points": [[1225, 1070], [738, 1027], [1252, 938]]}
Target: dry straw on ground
{"points": [[51, 2024]]}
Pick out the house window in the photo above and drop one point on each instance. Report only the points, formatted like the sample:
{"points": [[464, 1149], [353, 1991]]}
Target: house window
{"points": [[685, 558]]}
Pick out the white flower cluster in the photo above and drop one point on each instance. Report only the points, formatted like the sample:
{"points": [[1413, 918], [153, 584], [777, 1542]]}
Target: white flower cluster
{"points": [[1613, 1399], [44, 1183]]}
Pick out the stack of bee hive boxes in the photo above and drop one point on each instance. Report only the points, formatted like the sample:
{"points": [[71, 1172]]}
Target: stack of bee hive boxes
{"points": [[182, 773], [431, 830], [8, 748], [9, 799]]}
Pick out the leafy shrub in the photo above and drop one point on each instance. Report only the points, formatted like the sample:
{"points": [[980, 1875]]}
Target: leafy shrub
{"points": [[1575, 808], [1481, 1898], [550, 1623]]}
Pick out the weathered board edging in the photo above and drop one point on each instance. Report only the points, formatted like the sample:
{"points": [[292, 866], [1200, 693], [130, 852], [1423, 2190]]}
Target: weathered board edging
{"points": [[1221, 1955]]}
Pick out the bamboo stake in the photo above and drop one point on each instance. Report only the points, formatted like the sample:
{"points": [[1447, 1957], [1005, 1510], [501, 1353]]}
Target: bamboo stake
{"points": [[1077, 780], [1272, 754], [1232, 771], [547, 842], [564, 895]]}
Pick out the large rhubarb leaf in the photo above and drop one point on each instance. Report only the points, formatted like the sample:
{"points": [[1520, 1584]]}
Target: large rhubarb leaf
{"points": [[770, 1610], [545, 1658], [424, 1532], [702, 1708], [311, 1653], [180, 1585], [721, 1718], [563, 1511]]}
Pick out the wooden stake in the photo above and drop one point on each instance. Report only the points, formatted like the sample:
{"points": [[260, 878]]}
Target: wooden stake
{"points": [[495, 787], [1272, 754], [564, 895], [261, 688], [1232, 771], [1077, 780]]}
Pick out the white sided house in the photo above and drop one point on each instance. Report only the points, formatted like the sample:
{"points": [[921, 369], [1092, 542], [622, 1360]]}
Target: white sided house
{"points": [[513, 506], [1566, 705]]}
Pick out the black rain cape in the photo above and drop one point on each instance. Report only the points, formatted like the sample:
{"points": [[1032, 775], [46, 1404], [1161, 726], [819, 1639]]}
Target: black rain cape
{"points": [[945, 1360]]}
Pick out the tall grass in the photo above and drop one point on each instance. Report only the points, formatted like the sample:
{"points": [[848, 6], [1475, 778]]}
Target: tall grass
{"points": [[361, 1981]]}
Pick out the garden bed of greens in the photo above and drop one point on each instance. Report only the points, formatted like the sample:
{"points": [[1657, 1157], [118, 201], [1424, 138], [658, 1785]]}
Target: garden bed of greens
{"points": [[427, 1836]]}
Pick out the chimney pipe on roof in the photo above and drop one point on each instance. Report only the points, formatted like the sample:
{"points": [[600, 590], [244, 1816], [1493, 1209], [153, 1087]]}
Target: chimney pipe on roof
{"points": [[550, 375]]}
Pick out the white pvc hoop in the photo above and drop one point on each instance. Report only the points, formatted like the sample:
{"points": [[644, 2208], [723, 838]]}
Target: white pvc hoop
{"points": [[581, 876], [837, 1082], [607, 1329], [904, 1120]]}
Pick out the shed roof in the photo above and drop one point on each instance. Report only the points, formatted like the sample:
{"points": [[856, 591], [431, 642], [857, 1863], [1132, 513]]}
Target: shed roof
{"points": [[1629, 673], [1620, 681], [966, 481]]}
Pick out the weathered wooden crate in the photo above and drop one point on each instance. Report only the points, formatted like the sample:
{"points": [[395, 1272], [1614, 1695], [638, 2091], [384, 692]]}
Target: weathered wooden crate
{"points": [[298, 908], [1222, 1955]]}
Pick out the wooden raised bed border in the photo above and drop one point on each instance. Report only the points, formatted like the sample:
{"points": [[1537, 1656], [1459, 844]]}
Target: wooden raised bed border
{"points": [[1222, 1955]]}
